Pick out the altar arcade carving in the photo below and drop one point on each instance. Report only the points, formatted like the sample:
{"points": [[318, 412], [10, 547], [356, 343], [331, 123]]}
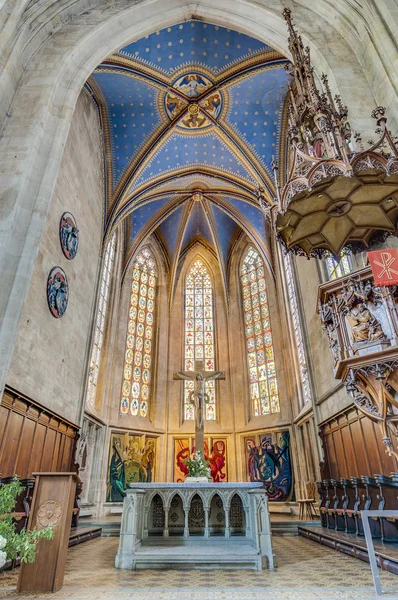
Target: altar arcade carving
{"points": [[131, 460]]}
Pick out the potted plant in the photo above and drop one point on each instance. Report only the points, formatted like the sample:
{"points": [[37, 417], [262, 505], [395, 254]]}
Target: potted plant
{"points": [[198, 468], [12, 544]]}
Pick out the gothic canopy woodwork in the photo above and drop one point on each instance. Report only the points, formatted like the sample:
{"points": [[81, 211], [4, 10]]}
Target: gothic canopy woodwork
{"points": [[192, 117], [335, 195]]}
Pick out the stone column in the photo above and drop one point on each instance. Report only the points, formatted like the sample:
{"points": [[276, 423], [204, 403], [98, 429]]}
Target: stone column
{"points": [[186, 525], [146, 517], [207, 531], [227, 532], [247, 519], [166, 521]]}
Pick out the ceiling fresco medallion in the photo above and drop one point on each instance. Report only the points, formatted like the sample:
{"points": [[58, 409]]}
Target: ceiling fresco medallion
{"points": [[190, 87]]}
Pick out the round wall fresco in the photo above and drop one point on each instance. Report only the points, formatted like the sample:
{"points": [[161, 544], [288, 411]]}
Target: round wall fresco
{"points": [[57, 292], [69, 235]]}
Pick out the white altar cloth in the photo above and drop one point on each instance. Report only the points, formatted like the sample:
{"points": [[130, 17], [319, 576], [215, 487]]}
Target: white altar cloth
{"points": [[195, 525]]}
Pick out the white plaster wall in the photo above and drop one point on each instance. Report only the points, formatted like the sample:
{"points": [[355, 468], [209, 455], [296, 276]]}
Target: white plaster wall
{"points": [[49, 359]]}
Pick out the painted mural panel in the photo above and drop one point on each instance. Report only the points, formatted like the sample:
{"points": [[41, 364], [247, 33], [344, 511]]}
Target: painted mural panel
{"points": [[131, 460], [217, 457], [268, 460]]}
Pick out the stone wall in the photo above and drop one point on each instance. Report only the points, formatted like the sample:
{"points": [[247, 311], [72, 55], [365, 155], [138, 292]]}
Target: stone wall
{"points": [[329, 396], [49, 358]]}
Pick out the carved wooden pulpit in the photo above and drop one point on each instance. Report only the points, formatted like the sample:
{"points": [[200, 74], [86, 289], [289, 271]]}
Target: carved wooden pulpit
{"points": [[52, 505]]}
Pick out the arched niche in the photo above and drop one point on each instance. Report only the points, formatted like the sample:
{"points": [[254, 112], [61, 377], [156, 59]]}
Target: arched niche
{"points": [[176, 516], [216, 516], [196, 516], [156, 517], [237, 516]]}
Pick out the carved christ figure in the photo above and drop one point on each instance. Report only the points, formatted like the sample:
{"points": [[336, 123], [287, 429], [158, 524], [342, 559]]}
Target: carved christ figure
{"points": [[200, 397]]}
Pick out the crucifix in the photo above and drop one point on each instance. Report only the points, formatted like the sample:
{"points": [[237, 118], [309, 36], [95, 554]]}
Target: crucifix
{"points": [[199, 398]]}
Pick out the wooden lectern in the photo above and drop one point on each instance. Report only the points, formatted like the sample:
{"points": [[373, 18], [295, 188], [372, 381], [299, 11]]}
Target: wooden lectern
{"points": [[52, 504]]}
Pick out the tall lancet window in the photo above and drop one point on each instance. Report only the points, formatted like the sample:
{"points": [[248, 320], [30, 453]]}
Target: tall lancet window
{"points": [[100, 322], [260, 352], [139, 344], [298, 333], [199, 334]]}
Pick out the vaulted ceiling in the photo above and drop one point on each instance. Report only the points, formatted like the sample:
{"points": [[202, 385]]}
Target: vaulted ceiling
{"points": [[192, 117]]}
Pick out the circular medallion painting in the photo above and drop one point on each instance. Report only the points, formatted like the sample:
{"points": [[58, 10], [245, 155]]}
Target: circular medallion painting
{"points": [[194, 114], [69, 235], [57, 292]]}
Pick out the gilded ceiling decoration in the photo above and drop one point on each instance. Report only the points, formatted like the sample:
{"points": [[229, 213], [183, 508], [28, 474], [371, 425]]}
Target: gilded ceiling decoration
{"points": [[191, 109]]}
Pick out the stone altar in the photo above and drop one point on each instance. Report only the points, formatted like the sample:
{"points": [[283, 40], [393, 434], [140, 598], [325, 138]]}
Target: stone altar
{"points": [[195, 525]]}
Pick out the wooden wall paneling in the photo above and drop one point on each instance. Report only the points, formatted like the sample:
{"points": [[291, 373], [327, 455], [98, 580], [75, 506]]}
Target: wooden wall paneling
{"points": [[68, 450], [341, 466], [4, 416], [11, 443], [333, 467], [57, 442], [25, 449], [362, 458], [47, 455], [353, 446], [351, 466], [32, 438], [37, 449], [368, 443], [60, 456]]}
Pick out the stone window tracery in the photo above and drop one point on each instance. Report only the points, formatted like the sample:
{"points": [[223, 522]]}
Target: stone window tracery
{"points": [[100, 322], [139, 342], [298, 332], [338, 267], [259, 348], [199, 334]]}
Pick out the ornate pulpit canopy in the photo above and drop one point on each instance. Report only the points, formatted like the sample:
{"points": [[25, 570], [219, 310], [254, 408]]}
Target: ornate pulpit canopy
{"points": [[334, 196]]}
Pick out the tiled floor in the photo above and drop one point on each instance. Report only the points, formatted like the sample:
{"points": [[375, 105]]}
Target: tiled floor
{"points": [[305, 570]]}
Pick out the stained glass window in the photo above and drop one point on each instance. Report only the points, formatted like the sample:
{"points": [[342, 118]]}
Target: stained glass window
{"points": [[338, 267], [199, 334], [100, 322], [298, 333], [260, 353], [139, 343]]}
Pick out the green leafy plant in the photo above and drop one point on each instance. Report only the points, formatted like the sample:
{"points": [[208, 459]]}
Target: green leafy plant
{"points": [[197, 465], [12, 544]]}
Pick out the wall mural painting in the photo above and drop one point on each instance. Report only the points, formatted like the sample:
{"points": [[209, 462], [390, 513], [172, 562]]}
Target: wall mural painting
{"points": [[268, 460], [68, 235], [57, 292], [131, 460], [217, 457]]}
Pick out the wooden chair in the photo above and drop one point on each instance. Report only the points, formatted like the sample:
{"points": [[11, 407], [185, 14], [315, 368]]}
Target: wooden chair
{"points": [[307, 510]]}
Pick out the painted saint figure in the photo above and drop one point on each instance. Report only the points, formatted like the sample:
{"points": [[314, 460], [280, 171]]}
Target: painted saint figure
{"points": [[69, 235]]}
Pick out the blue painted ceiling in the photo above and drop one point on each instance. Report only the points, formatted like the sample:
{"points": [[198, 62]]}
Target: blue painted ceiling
{"points": [[193, 42], [191, 107]]}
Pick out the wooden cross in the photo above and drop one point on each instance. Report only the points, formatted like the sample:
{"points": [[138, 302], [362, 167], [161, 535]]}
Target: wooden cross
{"points": [[199, 395]]}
